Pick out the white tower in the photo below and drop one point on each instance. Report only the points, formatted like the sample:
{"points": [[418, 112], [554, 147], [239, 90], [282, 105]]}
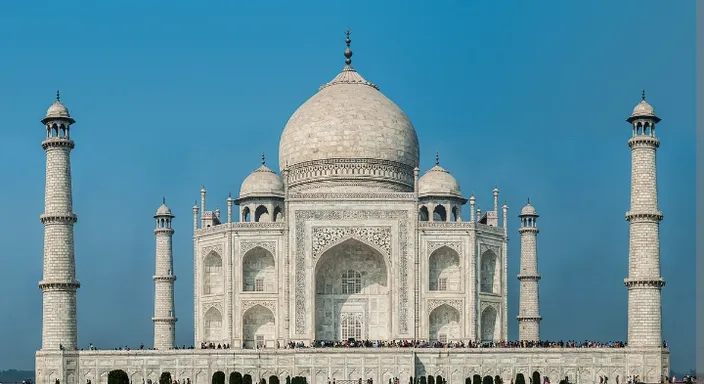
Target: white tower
{"points": [[644, 281], [59, 284], [164, 313], [529, 306]]}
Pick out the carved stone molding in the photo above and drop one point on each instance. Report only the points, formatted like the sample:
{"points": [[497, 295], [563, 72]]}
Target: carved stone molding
{"points": [[486, 304], [325, 238], [435, 245], [246, 246], [303, 216], [217, 305], [268, 304], [239, 225], [434, 303], [351, 195], [483, 247], [204, 251]]}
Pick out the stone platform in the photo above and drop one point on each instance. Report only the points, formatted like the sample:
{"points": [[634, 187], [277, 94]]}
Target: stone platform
{"points": [[581, 365]]}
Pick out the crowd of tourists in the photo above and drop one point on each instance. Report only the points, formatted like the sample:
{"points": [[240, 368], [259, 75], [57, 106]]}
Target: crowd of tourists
{"points": [[454, 344], [414, 344]]}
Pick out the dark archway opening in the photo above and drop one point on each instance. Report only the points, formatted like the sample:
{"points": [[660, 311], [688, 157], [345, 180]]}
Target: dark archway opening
{"points": [[118, 376]]}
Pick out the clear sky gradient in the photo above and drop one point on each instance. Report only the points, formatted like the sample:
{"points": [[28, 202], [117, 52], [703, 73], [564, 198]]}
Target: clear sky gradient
{"points": [[529, 96]]}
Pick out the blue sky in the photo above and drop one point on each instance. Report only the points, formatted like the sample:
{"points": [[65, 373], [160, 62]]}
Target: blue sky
{"points": [[529, 96]]}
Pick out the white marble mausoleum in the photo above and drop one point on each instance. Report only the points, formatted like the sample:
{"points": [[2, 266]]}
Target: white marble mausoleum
{"points": [[350, 240]]}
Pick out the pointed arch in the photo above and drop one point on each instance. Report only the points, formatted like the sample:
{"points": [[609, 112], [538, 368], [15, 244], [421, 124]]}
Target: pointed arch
{"points": [[246, 215], [278, 214], [351, 238], [261, 214], [444, 270], [218, 378], [118, 376], [423, 214], [213, 279], [258, 327], [212, 326], [258, 270], [444, 324], [439, 213], [456, 213]]}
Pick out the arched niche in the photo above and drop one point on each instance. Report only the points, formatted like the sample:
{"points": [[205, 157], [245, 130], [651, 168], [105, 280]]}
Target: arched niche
{"points": [[444, 270], [258, 327], [489, 272], [444, 324], [213, 279], [212, 326], [258, 271], [352, 294], [488, 321]]}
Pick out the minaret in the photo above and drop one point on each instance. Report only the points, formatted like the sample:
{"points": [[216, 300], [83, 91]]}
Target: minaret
{"points": [[164, 313], [529, 305], [59, 284], [644, 281]]}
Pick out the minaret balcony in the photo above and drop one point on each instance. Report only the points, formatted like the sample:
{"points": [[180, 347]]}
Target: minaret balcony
{"points": [[166, 319], [48, 285], [534, 319], [644, 282], [643, 141], [58, 142], [643, 216], [528, 230], [164, 278], [529, 276], [52, 218]]}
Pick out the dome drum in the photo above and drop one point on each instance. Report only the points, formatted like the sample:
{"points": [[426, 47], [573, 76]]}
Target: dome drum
{"points": [[319, 173]]}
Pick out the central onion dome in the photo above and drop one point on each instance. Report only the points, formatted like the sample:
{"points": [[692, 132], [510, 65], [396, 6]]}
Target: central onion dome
{"points": [[349, 137]]}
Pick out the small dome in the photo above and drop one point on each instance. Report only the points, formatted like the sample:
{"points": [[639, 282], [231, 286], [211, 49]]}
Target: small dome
{"points": [[438, 182], [643, 109], [163, 210], [263, 182], [529, 210], [58, 109]]}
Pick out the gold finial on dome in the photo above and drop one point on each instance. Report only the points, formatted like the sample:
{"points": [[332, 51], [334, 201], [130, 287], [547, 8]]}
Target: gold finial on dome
{"points": [[348, 51], [263, 159], [642, 96], [437, 158], [58, 95]]}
